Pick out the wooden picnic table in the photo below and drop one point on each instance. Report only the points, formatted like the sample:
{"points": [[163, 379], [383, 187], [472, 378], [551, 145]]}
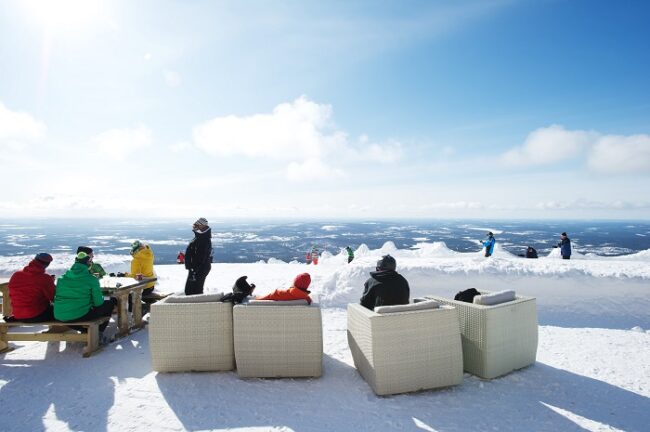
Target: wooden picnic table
{"points": [[6, 304], [120, 288]]}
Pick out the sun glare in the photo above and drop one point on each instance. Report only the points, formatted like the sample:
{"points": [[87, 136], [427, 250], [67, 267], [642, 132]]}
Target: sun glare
{"points": [[61, 14]]}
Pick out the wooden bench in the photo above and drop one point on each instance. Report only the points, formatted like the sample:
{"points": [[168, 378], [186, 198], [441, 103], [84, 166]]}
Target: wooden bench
{"points": [[53, 334]]}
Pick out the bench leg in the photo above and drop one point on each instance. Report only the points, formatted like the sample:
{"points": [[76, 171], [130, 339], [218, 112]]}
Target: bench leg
{"points": [[122, 314], [4, 344], [137, 308], [92, 340]]}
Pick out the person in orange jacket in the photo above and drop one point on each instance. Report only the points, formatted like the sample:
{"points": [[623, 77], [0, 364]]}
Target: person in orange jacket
{"points": [[298, 291]]}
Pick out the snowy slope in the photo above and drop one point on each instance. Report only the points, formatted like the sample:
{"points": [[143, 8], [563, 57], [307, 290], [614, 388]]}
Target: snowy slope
{"points": [[593, 368]]}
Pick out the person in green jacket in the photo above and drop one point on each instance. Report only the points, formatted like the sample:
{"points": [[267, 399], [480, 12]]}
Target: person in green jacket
{"points": [[78, 296], [350, 252], [94, 268]]}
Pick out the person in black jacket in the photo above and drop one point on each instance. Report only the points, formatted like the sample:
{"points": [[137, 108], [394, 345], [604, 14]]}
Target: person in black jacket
{"points": [[198, 257], [385, 286], [565, 246], [531, 252]]}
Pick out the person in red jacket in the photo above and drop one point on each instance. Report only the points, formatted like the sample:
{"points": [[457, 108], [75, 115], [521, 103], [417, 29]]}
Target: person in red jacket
{"points": [[31, 291], [298, 291]]}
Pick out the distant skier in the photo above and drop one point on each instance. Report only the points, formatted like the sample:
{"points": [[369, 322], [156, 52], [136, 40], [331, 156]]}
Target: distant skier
{"points": [[488, 244], [180, 258], [531, 252], [314, 255], [308, 257], [565, 246], [350, 252]]}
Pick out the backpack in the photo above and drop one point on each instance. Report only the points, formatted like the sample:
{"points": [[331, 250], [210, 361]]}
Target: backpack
{"points": [[467, 295]]}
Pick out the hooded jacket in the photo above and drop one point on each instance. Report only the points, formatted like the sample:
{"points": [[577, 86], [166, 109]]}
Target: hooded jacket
{"points": [[565, 247], [142, 263], [31, 291], [296, 292], [77, 291], [489, 245], [198, 255], [385, 288]]}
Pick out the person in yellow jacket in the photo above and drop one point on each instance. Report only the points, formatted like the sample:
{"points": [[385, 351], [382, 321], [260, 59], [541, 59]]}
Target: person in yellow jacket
{"points": [[141, 265]]}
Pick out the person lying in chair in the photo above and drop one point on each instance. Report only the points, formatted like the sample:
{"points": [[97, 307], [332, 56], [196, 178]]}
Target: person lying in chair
{"points": [[240, 291], [298, 291], [385, 287]]}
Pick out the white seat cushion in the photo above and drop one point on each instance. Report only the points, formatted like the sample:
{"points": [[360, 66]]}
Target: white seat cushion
{"points": [[423, 305], [495, 298], [198, 298], [299, 302]]}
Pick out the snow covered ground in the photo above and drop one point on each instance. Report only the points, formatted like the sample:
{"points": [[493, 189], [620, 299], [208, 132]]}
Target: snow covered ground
{"points": [[592, 370]]}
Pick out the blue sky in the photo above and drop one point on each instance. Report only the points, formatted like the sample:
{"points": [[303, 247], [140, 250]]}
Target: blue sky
{"points": [[477, 109]]}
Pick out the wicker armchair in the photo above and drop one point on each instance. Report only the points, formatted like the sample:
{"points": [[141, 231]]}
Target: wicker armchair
{"points": [[193, 333], [497, 339], [276, 340], [406, 351]]}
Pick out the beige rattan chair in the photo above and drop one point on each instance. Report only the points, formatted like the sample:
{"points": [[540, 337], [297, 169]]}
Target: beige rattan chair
{"points": [[406, 351], [193, 333], [276, 340], [497, 339]]}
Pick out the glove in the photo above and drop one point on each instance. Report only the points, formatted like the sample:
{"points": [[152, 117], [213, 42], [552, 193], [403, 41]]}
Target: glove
{"points": [[120, 274], [111, 274]]}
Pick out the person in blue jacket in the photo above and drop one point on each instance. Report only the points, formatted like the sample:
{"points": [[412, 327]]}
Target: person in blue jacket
{"points": [[565, 246], [489, 244]]}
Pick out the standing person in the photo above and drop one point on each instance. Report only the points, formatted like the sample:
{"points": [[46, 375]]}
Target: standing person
{"points": [[94, 268], [180, 258], [297, 291], [31, 291], [385, 287], [78, 296], [308, 257], [565, 246], [314, 255], [350, 252], [198, 257], [488, 244]]}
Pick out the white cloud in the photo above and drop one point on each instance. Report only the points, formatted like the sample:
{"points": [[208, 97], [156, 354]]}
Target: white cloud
{"points": [[312, 169], [172, 78], [119, 143], [301, 132], [293, 131], [180, 146], [19, 126], [385, 154], [616, 154], [605, 154], [456, 205], [549, 145]]}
